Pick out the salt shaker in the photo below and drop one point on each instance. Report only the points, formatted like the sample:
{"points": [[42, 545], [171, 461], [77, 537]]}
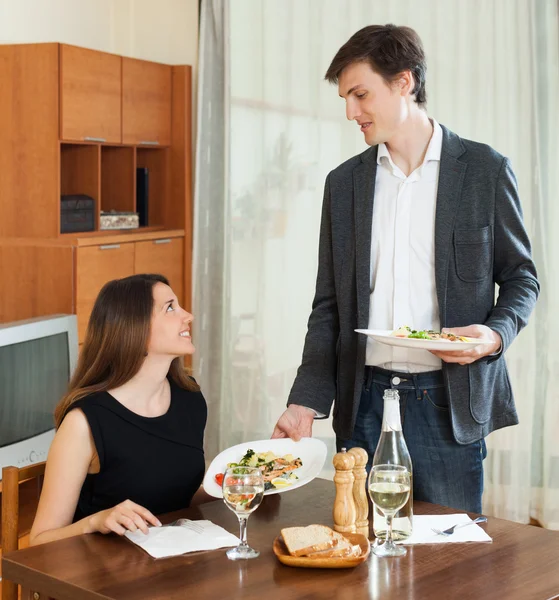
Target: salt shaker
{"points": [[344, 504], [360, 491]]}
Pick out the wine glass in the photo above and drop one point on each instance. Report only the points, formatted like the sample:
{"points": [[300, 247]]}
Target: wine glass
{"points": [[243, 490], [389, 489]]}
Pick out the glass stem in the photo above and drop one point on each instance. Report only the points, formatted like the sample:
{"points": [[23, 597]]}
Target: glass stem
{"points": [[389, 518], [243, 532]]}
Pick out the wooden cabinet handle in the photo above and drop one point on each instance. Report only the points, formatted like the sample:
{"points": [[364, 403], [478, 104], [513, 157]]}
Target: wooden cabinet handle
{"points": [[149, 143], [162, 241], [94, 139], [109, 247]]}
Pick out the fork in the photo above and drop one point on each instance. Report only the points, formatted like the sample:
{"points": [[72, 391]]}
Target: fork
{"points": [[450, 530]]}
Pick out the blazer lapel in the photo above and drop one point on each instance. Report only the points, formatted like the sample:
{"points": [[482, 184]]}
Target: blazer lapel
{"points": [[364, 191], [451, 177]]}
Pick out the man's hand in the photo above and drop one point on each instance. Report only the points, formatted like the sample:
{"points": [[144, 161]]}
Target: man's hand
{"points": [[295, 423], [466, 357]]}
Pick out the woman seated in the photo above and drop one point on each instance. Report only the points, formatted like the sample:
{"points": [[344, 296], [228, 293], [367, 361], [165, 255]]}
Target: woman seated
{"points": [[130, 431]]}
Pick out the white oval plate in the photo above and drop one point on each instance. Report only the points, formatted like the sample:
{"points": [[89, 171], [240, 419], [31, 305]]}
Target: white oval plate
{"points": [[384, 337], [310, 450]]}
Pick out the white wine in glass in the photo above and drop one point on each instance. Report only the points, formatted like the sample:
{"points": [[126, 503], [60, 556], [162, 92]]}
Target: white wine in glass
{"points": [[389, 488], [243, 490]]}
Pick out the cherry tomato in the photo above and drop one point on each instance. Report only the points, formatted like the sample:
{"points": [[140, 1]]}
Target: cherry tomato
{"points": [[219, 479]]}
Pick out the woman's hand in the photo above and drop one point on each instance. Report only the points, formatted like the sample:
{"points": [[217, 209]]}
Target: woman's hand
{"points": [[126, 516]]}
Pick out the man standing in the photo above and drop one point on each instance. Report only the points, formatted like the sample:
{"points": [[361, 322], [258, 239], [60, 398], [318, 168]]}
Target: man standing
{"points": [[416, 230]]}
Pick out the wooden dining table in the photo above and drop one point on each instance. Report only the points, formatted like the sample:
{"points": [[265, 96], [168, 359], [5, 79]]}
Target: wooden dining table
{"points": [[521, 563]]}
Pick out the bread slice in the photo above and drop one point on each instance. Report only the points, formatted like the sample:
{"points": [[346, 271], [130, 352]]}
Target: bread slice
{"points": [[301, 541], [343, 548], [346, 551]]}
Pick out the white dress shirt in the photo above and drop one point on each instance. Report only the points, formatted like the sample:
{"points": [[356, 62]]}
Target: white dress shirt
{"points": [[403, 288]]}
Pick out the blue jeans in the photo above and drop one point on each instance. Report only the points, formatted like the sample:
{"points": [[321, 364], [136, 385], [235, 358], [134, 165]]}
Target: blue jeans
{"points": [[444, 472]]}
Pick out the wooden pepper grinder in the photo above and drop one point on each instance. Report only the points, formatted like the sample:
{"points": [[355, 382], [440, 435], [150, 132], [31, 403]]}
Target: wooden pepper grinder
{"points": [[360, 491], [344, 505]]}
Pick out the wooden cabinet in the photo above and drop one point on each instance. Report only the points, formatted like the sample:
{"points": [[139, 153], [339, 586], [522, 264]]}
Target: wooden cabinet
{"points": [[146, 103], [95, 265], [57, 102], [164, 256], [90, 95]]}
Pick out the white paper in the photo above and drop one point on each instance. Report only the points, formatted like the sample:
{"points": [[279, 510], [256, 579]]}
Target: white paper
{"points": [[181, 537], [423, 534]]}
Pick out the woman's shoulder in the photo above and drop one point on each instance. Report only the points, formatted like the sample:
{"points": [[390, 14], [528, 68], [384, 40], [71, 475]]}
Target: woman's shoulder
{"points": [[187, 386], [88, 404], [189, 397]]}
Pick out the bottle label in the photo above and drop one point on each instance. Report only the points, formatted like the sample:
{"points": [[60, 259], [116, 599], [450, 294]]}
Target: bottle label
{"points": [[391, 418]]}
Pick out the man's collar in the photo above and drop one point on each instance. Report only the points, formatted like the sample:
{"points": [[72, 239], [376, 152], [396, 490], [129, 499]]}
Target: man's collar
{"points": [[433, 149]]}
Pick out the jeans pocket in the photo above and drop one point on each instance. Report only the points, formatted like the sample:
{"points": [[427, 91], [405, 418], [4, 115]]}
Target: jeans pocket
{"points": [[437, 398]]}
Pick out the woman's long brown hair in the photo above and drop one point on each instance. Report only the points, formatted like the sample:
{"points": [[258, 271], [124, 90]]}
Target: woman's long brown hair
{"points": [[116, 341]]}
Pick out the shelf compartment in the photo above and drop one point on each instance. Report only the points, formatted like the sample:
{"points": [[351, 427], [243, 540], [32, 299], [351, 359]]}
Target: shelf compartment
{"points": [[80, 171], [118, 179], [156, 161]]}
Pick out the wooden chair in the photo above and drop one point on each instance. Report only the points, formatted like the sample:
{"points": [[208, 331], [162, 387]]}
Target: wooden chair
{"points": [[11, 479]]}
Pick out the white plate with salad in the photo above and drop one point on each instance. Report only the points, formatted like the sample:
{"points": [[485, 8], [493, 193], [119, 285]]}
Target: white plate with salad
{"points": [[423, 339], [285, 464]]}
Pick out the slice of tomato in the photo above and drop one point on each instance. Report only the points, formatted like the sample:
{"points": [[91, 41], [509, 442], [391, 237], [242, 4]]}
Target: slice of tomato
{"points": [[219, 478]]}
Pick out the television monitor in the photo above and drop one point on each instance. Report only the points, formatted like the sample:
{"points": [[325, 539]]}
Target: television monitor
{"points": [[37, 358]]}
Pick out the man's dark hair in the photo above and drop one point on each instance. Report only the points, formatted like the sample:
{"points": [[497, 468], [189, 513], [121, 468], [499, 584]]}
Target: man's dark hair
{"points": [[389, 50]]}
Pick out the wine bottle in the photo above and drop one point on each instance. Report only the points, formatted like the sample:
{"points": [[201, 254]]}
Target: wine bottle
{"points": [[392, 450]]}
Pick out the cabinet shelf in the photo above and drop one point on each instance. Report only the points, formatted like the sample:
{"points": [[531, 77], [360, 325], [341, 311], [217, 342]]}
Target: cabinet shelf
{"points": [[107, 173]]}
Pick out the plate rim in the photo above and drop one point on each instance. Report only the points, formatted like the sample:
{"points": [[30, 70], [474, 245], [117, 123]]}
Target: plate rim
{"points": [[243, 445], [385, 334]]}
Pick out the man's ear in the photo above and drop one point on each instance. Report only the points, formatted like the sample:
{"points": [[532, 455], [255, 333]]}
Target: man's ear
{"points": [[405, 83]]}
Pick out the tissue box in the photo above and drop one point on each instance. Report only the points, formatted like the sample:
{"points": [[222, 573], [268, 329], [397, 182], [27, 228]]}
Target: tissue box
{"points": [[119, 220]]}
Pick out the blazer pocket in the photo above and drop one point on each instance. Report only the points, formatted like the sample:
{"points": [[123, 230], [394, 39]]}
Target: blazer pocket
{"points": [[473, 251]]}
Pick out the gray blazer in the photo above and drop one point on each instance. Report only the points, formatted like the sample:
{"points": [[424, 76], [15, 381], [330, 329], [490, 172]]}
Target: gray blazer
{"points": [[480, 241]]}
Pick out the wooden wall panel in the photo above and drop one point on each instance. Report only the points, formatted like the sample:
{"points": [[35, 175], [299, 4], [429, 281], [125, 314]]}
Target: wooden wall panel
{"points": [[29, 161], [35, 281]]}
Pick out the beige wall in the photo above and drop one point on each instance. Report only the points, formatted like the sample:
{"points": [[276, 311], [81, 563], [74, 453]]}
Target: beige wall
{"points": [[159, 30]]}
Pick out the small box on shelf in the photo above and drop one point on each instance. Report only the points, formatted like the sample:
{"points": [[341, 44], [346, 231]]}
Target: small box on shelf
{"points": [[77, 213], [118, 220]]}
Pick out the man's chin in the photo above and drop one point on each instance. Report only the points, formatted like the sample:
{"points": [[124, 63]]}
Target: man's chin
{"points": [[370, 138]]}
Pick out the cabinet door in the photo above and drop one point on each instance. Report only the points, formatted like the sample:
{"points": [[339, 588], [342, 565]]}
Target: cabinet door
{"points": [[164, 256], [90, 95], [146, 103], [95, 265]]}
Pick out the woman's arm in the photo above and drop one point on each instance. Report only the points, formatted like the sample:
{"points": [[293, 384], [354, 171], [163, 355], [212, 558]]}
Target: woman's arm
{"points": [[68, 462]]}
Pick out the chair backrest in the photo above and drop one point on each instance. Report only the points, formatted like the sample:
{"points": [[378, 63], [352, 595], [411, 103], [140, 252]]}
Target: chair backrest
{"points": [[11, 478]]}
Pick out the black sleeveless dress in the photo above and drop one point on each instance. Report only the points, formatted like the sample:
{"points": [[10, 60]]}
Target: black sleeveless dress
{"points": [[157, 462]]}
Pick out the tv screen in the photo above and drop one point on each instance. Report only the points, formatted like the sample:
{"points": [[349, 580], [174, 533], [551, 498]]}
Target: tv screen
{"points": [[33, 378]]}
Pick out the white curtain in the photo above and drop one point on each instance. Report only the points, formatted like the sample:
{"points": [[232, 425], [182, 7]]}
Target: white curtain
{"points": [[493, 76]]}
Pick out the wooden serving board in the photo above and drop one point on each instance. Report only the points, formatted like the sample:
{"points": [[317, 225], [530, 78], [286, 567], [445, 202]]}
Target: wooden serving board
{"points": [[324, 563]]}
